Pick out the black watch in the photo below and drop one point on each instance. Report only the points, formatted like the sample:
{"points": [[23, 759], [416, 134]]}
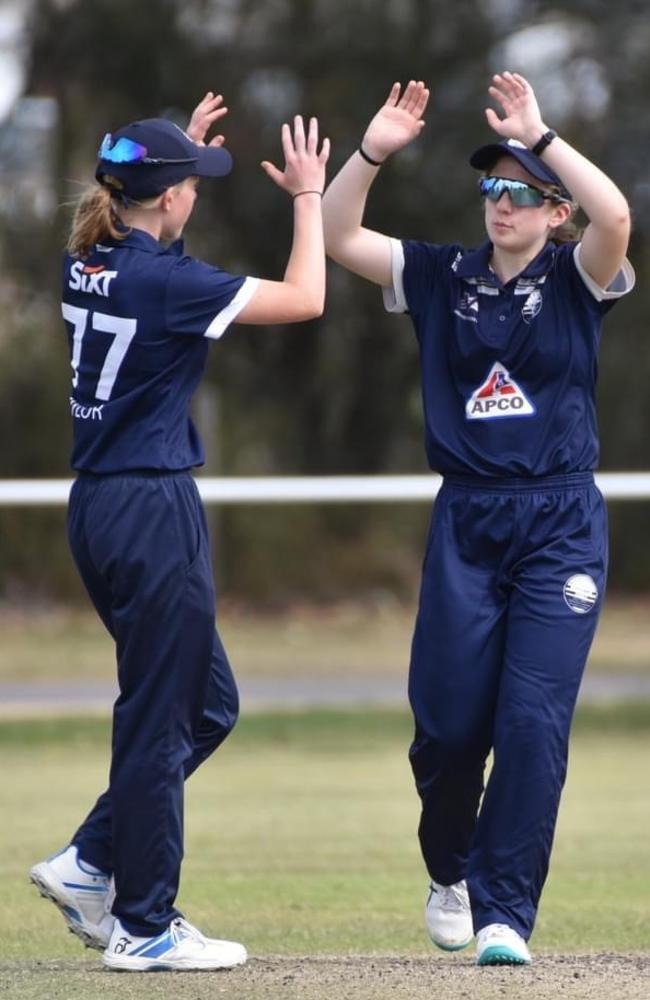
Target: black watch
{"points": [[546, 139]]}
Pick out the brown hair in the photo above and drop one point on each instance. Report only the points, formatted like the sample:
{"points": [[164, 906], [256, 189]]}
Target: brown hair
{"points": [[94, 220], [568, 232]]}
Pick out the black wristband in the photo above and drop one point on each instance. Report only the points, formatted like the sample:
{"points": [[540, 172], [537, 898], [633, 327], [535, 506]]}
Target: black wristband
{"points": [[369, 159], [298, 193], [546, 139]]}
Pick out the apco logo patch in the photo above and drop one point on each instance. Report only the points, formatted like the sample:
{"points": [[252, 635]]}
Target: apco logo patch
{"points": [[498, 396], [84, 278], [580, 593]]}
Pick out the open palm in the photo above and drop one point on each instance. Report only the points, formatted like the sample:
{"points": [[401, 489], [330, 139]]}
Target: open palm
{"points": [[521, 114], [208, 111], [398, 121]]}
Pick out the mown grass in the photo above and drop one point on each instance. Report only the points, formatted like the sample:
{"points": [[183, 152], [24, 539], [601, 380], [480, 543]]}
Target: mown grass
{"points": [[300, 835], [364, 639]]}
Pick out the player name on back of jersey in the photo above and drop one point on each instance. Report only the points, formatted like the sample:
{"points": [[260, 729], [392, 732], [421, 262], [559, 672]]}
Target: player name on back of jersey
{"points": [[93, 280], [498, 396], [85, 412]]}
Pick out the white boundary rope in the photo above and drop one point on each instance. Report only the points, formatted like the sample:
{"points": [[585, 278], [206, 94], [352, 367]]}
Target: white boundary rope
{"points": [[306, 489]]}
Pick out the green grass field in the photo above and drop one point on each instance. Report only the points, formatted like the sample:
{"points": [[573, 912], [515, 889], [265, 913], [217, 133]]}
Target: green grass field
{"points": [[363, 639], [301, 831], [300, 835]]}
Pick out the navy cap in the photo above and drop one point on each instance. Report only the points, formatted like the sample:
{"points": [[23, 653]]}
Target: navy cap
{"points": [[147, 157], [485, 157]]}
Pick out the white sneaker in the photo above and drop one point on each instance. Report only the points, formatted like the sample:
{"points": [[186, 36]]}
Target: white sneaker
{"points": [[498, 944], [83, 894], [448, 916], [181, 946]]}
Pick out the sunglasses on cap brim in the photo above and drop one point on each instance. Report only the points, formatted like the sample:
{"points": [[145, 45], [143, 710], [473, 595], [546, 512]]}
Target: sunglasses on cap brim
{"points": [[521, 195], [128, 151]]}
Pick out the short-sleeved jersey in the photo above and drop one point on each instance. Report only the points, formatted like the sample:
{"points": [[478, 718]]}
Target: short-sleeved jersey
{"points": [[139, 318], [508, 370]]}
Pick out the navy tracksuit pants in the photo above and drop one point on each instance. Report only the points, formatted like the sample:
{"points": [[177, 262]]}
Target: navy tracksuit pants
{"points": [[513, 580], [141, 545]]}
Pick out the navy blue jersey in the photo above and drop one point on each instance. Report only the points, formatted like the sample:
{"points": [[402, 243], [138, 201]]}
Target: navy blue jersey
{"points": [[139, 317], [508, 371]]}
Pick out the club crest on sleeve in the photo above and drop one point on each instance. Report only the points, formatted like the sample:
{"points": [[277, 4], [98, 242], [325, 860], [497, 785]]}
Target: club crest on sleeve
{"points": [[498, 396]]}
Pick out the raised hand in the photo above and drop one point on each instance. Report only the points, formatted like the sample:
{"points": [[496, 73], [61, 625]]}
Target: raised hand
{"points": [[304, 168], [522, 118], [398, 121], [206, 113]]}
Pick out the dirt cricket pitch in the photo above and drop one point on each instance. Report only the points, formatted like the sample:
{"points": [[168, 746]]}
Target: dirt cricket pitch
{"points": [[551, 977]]}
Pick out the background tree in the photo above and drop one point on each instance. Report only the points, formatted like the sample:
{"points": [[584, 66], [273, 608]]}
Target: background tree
{"points": [[340, 395]]}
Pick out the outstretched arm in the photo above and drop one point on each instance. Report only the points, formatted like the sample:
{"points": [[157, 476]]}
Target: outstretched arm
{"points": [[301, 294], [361, 250], [605, 240]]}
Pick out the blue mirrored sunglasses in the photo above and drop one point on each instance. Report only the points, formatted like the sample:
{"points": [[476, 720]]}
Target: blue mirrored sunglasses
{"points": [[128, 151], [521, 195]]}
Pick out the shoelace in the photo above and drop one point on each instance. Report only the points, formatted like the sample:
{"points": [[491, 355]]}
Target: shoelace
{"points": [[110, 896], [452, 897], [496, 930], [181, 929]]}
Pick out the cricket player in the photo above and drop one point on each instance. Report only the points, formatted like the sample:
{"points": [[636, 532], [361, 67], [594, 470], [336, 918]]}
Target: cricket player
{"points": [[140, 315], [515, 562]]}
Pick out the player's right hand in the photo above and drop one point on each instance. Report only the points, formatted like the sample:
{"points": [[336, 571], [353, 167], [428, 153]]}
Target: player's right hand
{"points": [[304, 168], [398, 121]]}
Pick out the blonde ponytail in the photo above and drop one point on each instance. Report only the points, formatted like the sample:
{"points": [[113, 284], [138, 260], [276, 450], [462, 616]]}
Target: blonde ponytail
{"points": [[94, 221]]}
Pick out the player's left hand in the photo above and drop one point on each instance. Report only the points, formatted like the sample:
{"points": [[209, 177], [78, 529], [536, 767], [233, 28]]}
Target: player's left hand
{"points": [[206, 113], [522, 118]]}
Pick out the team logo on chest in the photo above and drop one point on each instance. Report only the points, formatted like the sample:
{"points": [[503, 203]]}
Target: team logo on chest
{"points": [[532, 288], [498, 396], [532, 306], [467, 307]]}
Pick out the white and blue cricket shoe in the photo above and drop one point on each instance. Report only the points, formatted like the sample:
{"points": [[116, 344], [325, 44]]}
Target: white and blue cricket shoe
{"points": [[448, 916], [498, 944], [83, 894], [179, 948]]}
